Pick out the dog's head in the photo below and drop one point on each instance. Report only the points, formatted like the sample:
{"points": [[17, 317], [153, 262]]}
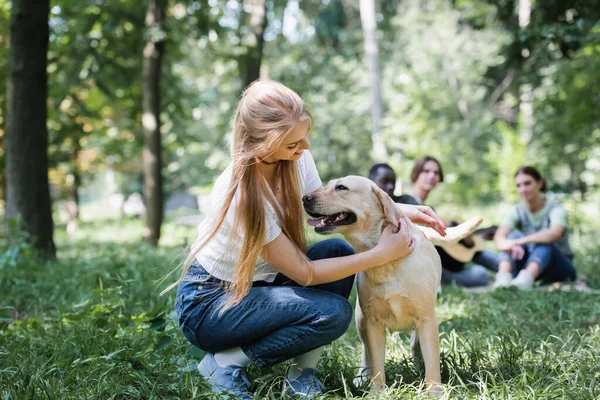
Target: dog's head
{"points": [[350, 204]]}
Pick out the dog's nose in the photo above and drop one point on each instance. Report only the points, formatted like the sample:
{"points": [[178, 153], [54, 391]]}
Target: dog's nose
{"points": [[308, 198]]}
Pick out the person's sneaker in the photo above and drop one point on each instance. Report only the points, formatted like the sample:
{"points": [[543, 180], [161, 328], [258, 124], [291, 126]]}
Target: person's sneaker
{"points": [[305, 386], [503, 279], [230, 379], [523, 281]]}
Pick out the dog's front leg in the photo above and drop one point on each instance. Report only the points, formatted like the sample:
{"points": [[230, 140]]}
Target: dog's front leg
{"points": [[364, 373], [374, 348], [427, 329]]}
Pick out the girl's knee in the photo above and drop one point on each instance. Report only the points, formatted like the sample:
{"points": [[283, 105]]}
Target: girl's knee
{"points": [[336, 317], [343, 319], [329, 248], [340, 248], [480, 275], [344, 287], [505, 257], [541, 247]]}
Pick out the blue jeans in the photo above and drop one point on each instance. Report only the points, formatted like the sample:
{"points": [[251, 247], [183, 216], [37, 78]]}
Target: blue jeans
{"points": [[475, 275], [554, 265], [275, 321]]}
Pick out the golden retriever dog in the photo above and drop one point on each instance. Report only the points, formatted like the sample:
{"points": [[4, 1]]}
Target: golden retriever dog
{"points": [[399, 295]]}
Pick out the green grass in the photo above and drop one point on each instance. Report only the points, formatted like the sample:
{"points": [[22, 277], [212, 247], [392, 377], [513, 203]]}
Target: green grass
{"points": [[93, 326]]}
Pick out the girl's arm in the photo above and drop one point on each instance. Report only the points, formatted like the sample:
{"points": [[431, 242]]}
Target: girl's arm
{"points": [[502, 243], [282, 254], [549, 235]]}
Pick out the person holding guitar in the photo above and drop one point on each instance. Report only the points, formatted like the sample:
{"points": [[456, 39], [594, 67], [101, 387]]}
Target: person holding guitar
{"points": [[425, 175]]}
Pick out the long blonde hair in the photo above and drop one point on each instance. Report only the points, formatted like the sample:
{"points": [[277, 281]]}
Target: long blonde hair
{"points": [[266, 113]]}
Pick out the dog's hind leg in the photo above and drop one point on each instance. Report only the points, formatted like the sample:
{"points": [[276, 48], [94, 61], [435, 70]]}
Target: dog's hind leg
{"points": [[415, 347], [428, 332]]}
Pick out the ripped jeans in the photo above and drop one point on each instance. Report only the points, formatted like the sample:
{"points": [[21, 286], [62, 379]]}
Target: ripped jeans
{"points": [[275, 321]]}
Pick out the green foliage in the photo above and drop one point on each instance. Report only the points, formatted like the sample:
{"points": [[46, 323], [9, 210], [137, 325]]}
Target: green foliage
{"points": [[93, 325], [506, 157], [437, 102], [450, 74], [95, 62], [13, 253], [568, 111]]}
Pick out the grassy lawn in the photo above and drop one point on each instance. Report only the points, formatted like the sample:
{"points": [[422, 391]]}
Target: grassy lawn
{"points": [[93, 326]]}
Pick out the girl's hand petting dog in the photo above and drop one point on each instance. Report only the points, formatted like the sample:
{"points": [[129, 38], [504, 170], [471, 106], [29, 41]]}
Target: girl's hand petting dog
{"points": [[396, 241], [423, 215]]}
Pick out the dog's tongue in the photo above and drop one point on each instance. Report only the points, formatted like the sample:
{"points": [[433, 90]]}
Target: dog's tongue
{"points": [[313, 221]]}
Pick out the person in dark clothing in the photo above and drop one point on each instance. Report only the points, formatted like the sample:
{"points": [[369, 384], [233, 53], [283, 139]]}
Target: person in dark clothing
{"points": [[384, 176], [425, 175]]}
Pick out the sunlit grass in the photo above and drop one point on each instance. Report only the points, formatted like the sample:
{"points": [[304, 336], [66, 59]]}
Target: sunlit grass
{"points": [[92, 325]]}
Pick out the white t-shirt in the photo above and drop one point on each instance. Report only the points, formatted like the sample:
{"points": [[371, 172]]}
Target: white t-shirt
{"points": [[219, 256]]}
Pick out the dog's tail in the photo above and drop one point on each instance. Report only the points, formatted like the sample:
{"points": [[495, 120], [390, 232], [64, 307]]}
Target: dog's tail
{"points": [[453, 234]]}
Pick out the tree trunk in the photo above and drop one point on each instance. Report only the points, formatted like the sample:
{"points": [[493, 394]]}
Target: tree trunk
{"points": [[2, 183], [26, 142], [153, 57], [525, 88], [369, 25], [254, 40], [74, 182], [576, 167]]}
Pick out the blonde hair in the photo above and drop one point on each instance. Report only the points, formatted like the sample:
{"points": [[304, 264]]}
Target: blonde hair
{"points": [[266, 113]]}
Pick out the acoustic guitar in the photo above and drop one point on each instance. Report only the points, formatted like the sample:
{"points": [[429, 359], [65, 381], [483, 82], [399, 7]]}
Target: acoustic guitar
{"points": [[465, 250]]}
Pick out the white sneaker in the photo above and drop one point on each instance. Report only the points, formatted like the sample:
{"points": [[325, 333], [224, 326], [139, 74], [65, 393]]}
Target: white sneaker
{"points": [[503, 279], [523, 281]]}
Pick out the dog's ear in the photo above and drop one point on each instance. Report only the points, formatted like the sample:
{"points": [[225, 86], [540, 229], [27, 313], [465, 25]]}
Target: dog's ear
{"points": [[391, 212]]}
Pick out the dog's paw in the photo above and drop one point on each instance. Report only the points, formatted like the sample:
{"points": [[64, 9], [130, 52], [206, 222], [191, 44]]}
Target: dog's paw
{"points": [[363, 379], [435, 391]]}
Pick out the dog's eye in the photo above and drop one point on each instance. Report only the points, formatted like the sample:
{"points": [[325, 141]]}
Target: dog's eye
{"points": [[340, 187]]}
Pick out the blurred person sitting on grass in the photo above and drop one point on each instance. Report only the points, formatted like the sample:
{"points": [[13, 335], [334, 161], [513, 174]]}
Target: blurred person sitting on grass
{"points": [[533, 237], [251, 291], [425, 175]]}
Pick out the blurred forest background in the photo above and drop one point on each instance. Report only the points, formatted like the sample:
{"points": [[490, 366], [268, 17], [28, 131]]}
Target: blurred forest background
{"points": [[139, 99]]}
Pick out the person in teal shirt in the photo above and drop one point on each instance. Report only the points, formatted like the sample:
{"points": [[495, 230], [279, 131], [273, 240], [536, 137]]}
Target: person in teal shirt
{"points": [[533, 237]]}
